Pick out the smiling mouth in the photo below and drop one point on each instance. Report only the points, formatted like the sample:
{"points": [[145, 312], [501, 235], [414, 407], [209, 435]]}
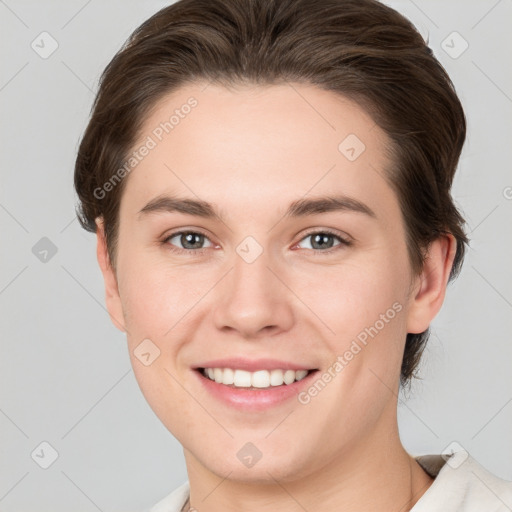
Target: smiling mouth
{"points": [[261, 379]]}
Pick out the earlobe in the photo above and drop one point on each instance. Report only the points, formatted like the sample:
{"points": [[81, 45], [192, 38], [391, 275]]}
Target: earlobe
{"points": [[430, 288], [112, 298]]}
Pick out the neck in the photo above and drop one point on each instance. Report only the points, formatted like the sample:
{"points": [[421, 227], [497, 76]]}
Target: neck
{"points": [[376, 474]]}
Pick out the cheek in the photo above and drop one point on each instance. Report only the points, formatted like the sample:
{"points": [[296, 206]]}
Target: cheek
{"points": [[363, 304], [350, 297], [158, 297]]}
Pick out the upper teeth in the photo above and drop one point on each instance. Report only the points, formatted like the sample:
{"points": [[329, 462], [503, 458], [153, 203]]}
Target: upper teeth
{"points": [[259, 379]]}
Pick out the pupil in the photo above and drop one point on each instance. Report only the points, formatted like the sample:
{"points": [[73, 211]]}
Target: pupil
{"points": [[321, 240], [189, 239]]}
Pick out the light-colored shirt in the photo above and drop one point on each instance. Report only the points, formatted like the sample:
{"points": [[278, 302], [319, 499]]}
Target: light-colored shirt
{"points": [[461, 484]]}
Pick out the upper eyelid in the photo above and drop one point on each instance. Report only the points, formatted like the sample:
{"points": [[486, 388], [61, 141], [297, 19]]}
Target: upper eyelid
{"points": [[187, 231], [328, 231]]}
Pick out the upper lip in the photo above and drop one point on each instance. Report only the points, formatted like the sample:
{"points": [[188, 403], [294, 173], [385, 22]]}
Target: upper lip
{"points": [[252, 365]]}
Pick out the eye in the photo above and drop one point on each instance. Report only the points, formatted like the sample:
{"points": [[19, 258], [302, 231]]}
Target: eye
{"points": [[323, 241], [191, 241]]}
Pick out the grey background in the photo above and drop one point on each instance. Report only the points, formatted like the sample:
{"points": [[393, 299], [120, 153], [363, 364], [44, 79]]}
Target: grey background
{"points": [[65, 376]]}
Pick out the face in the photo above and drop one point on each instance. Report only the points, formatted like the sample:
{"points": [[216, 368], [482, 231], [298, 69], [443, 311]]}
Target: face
{"points": [[294, 258]]}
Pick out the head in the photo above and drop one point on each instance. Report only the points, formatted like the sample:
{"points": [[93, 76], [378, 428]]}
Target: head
{"points": [[308, 152]]}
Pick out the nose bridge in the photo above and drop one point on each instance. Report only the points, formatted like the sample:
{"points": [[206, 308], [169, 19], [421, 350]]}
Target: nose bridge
{"points": [[251, 297]]}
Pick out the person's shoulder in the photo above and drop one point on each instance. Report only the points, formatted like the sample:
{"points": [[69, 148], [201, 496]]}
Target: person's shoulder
{"points": [[462, 484], [483, 488], [174, 501]]}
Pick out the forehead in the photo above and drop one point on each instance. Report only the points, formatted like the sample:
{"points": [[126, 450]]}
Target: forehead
{"points": [[252, 147]]}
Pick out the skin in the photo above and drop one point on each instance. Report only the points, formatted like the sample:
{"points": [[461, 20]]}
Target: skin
{"points": [[251, 151]]}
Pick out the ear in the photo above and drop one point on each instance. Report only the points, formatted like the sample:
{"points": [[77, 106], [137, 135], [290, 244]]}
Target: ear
{"points": [[429, 287], [112, 298]]}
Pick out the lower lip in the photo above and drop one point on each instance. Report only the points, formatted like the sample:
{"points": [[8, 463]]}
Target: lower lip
{"points": [[254, 399]]}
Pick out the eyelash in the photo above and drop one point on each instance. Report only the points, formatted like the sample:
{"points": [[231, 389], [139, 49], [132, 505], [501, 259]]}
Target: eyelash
{"points": [[343, 242]]}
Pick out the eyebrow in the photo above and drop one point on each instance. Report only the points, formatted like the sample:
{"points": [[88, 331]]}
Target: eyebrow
{"points": [[299, 208]]}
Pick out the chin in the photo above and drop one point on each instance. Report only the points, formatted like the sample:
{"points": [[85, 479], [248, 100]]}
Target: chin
{"points": [[266, 469]]}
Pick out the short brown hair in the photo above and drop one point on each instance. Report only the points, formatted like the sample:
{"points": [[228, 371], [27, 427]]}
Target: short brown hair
{"points": [[360, 49]]}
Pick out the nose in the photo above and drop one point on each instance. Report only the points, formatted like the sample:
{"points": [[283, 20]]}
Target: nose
{"points": [[253, 299]]}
